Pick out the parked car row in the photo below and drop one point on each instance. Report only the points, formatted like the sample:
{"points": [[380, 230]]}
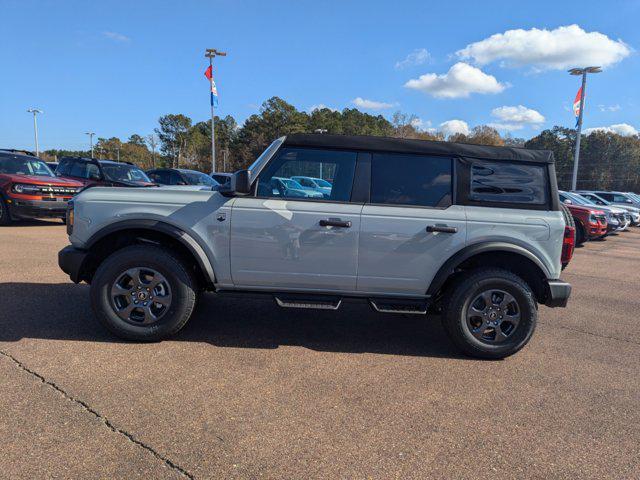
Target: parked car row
{"points": [[594, 217]]}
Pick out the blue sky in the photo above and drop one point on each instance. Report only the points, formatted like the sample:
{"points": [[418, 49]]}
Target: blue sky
{"points": [[114, 67]]}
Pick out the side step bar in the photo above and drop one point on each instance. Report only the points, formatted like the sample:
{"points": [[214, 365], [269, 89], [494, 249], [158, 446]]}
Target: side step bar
{"points": [[392, 305], [328, 302], [316, 302]]}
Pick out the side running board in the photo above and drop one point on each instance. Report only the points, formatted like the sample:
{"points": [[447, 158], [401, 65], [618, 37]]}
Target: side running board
{"points": [[316, 302], [408, 306]]}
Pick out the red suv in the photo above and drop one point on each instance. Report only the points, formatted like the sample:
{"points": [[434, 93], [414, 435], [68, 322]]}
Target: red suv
{"points": [[29, 189], [590, 222], [104, 173]]}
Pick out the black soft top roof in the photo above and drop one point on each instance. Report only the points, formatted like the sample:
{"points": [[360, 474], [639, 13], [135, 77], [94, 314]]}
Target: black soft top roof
{"points": [[403, 145]]}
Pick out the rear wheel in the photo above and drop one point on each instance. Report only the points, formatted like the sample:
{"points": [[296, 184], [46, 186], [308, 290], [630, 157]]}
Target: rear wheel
{"points": [[143, 293], [5, 218], [581, 235], [490, 314]]}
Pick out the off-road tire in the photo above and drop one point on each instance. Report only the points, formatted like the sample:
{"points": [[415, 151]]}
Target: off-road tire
{"points": [[5, 217], [581, 235], [466, 289], [182, 284]]}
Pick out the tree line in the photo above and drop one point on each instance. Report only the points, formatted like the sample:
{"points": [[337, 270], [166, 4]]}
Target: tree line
{"points": [[607, 160]]}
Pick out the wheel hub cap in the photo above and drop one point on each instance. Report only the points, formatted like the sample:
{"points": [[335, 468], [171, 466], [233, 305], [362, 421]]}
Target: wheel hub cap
{"points": [[493, 316], [141, 296]]}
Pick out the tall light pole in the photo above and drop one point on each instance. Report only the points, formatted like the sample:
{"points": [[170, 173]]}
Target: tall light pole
{"points": [[91, 134], [576, 158], [35, 113], [210, 53]]}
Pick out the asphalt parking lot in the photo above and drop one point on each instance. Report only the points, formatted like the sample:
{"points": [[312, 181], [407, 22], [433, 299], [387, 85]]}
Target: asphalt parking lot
{"points": [[247, 390]]}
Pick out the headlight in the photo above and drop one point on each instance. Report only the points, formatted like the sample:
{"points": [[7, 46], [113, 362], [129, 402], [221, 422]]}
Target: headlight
{"points": [[25, 188], [69, 217]]}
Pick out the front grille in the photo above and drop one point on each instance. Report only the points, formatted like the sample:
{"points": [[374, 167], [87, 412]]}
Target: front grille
{"points": [[53, 190]]}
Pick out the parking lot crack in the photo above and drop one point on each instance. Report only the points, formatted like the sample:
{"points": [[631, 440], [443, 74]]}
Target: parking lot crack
{"points": [[89, 409]]}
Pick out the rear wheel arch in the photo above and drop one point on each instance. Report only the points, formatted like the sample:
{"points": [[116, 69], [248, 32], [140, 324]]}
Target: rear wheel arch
{"points": [[131, 232], [511, 257]]}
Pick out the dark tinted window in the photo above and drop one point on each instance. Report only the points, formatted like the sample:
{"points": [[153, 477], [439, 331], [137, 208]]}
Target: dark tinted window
{"points": [[419, 180], [64, 167], [337, 167], [508, 182]]}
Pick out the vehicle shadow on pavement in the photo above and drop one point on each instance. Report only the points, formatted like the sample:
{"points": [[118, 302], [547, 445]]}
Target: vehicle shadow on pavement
{"points": [[62, 312]]}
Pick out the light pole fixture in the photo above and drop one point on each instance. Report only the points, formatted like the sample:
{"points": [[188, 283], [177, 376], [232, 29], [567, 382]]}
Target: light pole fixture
{"points": [[91, 134], [35, 113], [211, 53], [576, 158]]}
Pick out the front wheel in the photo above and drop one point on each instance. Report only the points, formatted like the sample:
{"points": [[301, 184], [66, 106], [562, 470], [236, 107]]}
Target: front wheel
{"points": [[490, 314], [143, 293]]}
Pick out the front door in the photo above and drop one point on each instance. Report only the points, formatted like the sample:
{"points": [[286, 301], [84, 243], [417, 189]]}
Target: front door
{"points": [[287, 237], [410, 228]]}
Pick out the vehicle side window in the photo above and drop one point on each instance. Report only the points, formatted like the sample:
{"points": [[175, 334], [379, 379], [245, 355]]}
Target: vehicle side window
{"points": [[620, 199], [63, 167], [160, 176], [419, 180], [78, 169], [175, 179], [508, 182], [338, 167]]}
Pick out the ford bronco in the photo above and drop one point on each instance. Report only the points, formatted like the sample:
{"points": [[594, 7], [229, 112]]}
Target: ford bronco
{"points": [[471, 233]]}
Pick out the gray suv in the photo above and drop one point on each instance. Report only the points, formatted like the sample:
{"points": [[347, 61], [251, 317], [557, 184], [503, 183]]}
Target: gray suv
{"points": [[471, 233]]}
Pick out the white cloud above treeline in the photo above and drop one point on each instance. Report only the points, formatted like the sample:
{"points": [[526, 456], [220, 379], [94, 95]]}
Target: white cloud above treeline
{"points": [[564, 47], [371, 104], [460, 81], [623, 129], [516, 118], [451, 127]]}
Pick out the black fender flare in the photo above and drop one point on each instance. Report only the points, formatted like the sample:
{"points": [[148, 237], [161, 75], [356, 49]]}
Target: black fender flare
{"points": [[194, 247], [469, 251]]}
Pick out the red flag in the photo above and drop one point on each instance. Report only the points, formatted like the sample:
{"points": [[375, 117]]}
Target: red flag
{"points": [[208, 72]]}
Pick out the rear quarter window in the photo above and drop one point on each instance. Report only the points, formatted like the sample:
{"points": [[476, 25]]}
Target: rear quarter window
{"points": [[508, 182]]}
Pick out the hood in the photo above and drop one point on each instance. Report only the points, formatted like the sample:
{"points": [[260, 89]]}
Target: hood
{"points": [[42, 180], [582, 208], [130, 183], [148, 196], [628, 208]]}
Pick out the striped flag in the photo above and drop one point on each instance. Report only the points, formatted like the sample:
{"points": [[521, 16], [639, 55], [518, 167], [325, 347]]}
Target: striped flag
{"points": [[576, 104], [214, 90]]}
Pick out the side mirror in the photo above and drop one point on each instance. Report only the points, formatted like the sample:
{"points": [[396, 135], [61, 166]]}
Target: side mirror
{"points": [[240, 183]]}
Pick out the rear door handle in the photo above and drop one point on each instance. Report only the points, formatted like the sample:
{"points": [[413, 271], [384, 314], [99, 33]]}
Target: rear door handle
{"points": [[335, 222], [441, 228]]}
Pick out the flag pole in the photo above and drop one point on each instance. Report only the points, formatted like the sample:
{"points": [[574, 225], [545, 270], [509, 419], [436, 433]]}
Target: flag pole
{"points": [[210, 53], [576, 155]]}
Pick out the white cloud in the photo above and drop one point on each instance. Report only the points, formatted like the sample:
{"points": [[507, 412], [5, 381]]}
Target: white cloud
{"points": [[609, 108], [516, 118], [623, 129], [321, 106], [459, 82], [371, 104], [118, 37], [451, 127], [417, 57], [563, 47], [420, 124]]}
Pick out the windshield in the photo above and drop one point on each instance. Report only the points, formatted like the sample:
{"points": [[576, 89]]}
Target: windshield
{"points": [[593, 196], [576, 198], [322, 183], [291, 183], [124, 173], [198, 178], [24, 166]]}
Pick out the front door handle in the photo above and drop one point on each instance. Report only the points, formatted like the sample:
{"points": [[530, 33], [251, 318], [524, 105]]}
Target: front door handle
{"points": [[442, 229], [335, 222]]}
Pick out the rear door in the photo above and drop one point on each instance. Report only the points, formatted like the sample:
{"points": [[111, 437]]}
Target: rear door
{"points": [[410, 227], [281, 238]]}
